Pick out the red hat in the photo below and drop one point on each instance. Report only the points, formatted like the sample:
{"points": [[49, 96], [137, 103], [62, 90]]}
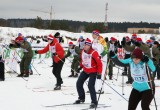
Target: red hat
{"points": [[137, 53], [149, 42], [134, 36], [138, 39], [19, 39], [127, 39], [113, 39], [88, 42], [50, 37], [71, 44], [96, 32]]}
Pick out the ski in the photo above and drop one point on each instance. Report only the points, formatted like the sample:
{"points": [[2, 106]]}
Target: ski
{"points": [[68, 104], [65, 104], [105, 106]]}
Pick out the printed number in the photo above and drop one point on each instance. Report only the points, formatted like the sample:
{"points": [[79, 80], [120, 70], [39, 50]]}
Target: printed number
{"points": [[139, 79]]}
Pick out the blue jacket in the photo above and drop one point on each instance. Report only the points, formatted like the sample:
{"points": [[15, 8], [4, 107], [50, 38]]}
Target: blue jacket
{"points": [[138, 72]]}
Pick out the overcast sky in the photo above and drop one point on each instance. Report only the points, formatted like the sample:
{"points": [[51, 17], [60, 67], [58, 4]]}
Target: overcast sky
{"points": [[84, 10]]}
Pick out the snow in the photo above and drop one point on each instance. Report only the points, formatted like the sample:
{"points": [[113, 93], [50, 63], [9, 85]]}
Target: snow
{"points": [[37, 92]]}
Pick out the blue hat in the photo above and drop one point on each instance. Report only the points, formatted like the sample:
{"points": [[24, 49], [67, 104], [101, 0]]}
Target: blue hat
{"points": [[81, 37]]}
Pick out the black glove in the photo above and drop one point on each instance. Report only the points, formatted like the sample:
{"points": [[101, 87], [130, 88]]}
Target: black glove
{"points": [[17, 44], [145, 59], [36, 51], [106, 39], [54, 54], [111, 54], [98, 76], [137, 44], [133, 42], [154, 59], [11, 45], [18, 62]]}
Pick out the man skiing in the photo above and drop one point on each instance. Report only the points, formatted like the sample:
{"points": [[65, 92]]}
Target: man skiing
{"points": [[19, 42], [92, 68], [58, 58], [75, 51]]}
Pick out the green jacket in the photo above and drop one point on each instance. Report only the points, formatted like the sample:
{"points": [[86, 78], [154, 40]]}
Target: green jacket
{"points": [[26, 48], [156, 55], [143, 47], [76, 52]]}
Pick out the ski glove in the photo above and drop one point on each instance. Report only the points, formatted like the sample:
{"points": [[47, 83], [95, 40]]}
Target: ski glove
{"points": [[17, 44], [145, 59], [18, 62], [111, 54], [36, 51], [10, 45], [98, 76], [54, 54]]}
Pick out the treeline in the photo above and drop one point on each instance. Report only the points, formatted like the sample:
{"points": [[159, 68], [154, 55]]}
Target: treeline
{"points": [[76, 26]]}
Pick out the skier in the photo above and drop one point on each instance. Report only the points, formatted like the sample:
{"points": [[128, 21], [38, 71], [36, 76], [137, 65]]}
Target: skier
{"points": [[19, 42], [2, 67], [75, 51], [99, 44], [58, 58], [112, 45], [127, 55], [92, 68], [143, 84], [81, 42]]}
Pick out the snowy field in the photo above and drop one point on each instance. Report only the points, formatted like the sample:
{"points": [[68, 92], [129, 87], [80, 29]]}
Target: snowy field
{"points": [[37, 92]]}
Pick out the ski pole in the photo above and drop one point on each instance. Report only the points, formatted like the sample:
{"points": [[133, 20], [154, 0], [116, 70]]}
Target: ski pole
{"points": [[150, 81], [122, 84], [99, 94], [116, 91]]}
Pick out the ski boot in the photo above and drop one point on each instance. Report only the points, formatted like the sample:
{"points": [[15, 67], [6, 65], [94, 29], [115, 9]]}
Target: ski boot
{"points": [[57, 88], [93, 105], [20, 75], [100, 92], [79, 101]]}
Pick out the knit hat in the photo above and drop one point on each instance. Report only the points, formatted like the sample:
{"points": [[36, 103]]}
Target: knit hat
{"points": [[88, 42], [127, 39], [56, 34], [149, 42], [81, 37], [138, 40], [19, 34], [156, 43], [50, 37], [71, 44], [152, 38], [96, 32], [19, 39], [134, 36], [137, 53], [113, 39]]}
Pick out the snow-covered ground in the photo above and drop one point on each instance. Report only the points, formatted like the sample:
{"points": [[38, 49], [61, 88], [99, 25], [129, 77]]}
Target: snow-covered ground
{"points": [[37, 92]]}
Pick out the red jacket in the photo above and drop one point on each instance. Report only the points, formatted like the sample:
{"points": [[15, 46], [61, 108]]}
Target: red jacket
{"points": [[55, 47], [96, 64]]}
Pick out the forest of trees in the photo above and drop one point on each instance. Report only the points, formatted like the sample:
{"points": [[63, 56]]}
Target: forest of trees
{"points": [[75, 26]]}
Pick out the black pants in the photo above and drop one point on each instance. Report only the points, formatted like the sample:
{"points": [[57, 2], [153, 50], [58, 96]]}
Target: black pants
{"points": [[2, 77], [57, 67], [135, 97], [91, 85]]}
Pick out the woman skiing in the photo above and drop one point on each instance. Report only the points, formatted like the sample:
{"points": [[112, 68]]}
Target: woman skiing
{"points": [[143, 85]]}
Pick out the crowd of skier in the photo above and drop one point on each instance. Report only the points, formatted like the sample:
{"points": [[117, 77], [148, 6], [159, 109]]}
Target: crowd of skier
{"points": [[94, 60]]}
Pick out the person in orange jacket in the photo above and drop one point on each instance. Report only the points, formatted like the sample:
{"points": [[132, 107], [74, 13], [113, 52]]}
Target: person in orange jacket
{"points": [[58, 58]]}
